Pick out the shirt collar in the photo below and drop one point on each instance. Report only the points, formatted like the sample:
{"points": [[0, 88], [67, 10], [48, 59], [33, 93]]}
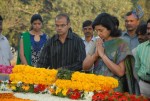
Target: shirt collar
{"points": [[127, 34], [93, 38]]}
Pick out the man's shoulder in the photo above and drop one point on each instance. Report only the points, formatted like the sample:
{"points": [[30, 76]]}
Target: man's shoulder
{"points": [[52, 39], [2, 37], [141, 47], [76, 36], [4, 41], [83, 38], [53, 36], [143, 44]]}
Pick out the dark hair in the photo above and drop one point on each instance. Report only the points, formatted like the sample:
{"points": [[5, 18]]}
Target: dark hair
{"points": [[36, 17], [59, 16], [130, 13], [148, 21], [116, 21], [141, 29], [107, 21], [86, 23], [1, 19]]}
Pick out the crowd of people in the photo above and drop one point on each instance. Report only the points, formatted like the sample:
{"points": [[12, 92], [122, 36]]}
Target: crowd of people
{"points": [[122, 55]]}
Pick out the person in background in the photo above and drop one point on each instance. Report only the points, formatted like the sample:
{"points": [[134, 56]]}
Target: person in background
{"points": [[5, 51], [65, 49], [142, 64], [32, 42], [111, 53], [88, 38], [141, 33], [131, 24]]}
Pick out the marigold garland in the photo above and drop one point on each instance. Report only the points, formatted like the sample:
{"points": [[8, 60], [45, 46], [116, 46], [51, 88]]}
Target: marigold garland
{"points": [[32, 75], [80, 81], [78, 86], [88, 82], [39, 80]]}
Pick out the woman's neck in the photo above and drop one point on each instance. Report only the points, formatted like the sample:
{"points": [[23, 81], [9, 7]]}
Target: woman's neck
{"points": [[33, 32], [109, 38]]}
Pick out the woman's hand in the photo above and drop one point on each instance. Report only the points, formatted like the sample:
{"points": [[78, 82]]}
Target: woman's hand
{"points": [[100, 48]]}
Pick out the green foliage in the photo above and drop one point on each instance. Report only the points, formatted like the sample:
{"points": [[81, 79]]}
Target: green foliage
{"points": [[64, 74], [17, 13]]}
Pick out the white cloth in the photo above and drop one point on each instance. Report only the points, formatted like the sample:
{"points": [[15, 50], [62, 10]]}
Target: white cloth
{"points": [[44, 97]]}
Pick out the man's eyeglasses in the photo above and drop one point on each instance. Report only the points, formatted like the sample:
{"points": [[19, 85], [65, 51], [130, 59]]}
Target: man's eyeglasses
{"points": [[61, 26]]}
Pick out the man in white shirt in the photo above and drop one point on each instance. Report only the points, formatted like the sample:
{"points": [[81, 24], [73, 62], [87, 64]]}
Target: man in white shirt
{"points": [[88, 39], [5, 51]]}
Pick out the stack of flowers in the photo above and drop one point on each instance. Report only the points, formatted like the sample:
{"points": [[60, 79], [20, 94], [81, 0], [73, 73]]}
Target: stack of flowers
{"points": [[31, 79], [32, 75], [87, 82], [117, 96], [6, 69], [81, 84], [64, 83]]}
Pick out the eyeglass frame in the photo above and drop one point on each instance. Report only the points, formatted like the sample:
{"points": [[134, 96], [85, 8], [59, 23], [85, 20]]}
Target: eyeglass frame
{"points": [[61, 26]]}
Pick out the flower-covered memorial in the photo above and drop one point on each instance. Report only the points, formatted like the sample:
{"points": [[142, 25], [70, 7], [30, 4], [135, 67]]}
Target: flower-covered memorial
{"points": [[62, 83], [57, 82]]}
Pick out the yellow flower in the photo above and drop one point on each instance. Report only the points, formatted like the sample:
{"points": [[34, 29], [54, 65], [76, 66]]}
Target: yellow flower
{"points": [[80, 81], [58, 90], [25, 87], [64, 92], [13, 87]]}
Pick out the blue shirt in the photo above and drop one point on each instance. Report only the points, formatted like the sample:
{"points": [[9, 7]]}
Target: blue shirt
{"points": [[132, 41]]}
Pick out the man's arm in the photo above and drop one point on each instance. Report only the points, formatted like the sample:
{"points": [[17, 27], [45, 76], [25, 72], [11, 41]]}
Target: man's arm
{"points": [[81, 54], [44, 60]]}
